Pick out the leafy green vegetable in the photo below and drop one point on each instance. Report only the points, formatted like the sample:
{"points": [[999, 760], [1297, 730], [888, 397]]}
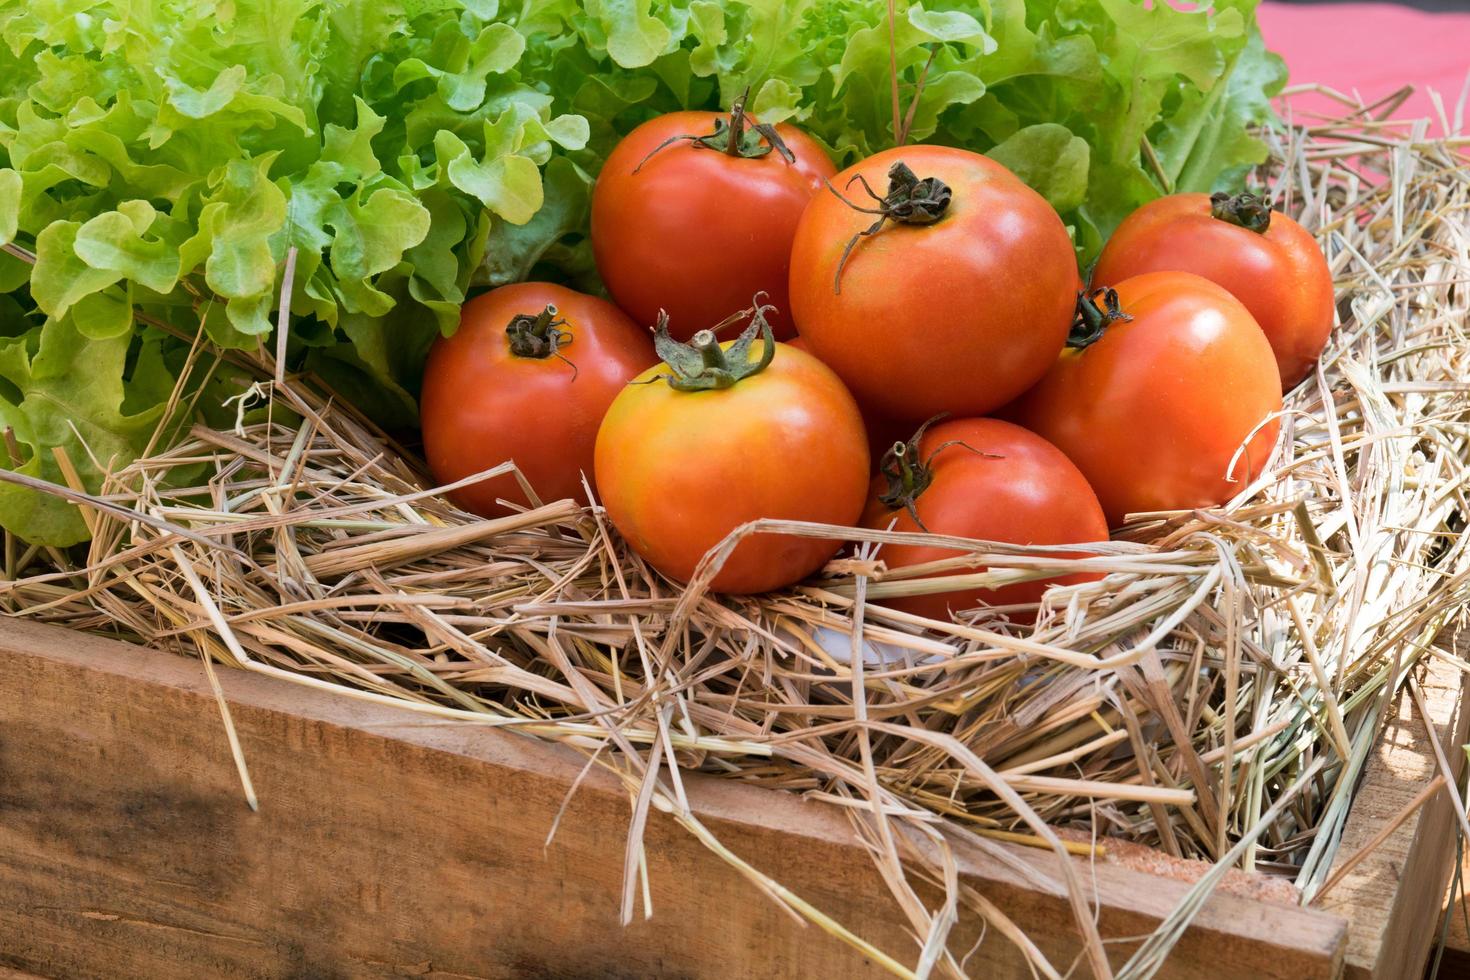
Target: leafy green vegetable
{"points": [[164, 157], [71, 396], [1049, 158]]}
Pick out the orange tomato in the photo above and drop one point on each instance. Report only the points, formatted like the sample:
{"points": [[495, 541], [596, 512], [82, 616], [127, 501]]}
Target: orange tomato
{"points": [[992, 481], [1154, 411], [958, 304], [678, 470], [484, 403], [1278, 272]]}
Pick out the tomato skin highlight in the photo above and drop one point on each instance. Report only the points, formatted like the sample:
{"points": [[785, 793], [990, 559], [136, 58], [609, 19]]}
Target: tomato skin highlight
{"points": [[1032, 495], [679, 470], [957, 316], [1154, 411], [1280, 275], [483, 405], [696, 232]]}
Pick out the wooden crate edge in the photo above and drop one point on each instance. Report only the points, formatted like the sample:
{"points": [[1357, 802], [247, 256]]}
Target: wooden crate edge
{"points": [[810, 847]]}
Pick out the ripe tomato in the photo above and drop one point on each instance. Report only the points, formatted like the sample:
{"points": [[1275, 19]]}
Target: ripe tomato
{"points": [[678, 470], [957, 304], [983, 479], [696, 230], [1268, 261], [1153, 411], [528, 376], [881, 432]]}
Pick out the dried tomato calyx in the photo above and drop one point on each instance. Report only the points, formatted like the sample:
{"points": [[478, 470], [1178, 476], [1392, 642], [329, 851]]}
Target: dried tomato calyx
{"points": [[736, 137], [909, 475], [1093, 317], [1245, 210], [538, 335], [911, 200]]}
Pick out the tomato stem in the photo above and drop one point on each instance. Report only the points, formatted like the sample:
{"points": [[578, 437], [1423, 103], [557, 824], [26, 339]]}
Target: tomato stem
{"points": [[538, 335], [1243, 210], [732, 137], [736, 129], [702, 364], [709, 348], [910, 200], [907, 477], [1093, 319], [541, 326]]}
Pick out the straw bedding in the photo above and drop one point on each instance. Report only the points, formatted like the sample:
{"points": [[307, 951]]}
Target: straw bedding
{"points": [[1214, 696]]}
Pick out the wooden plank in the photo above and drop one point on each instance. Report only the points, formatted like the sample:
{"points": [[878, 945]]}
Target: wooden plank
{"points": [[385, 844], [1393, 897]]}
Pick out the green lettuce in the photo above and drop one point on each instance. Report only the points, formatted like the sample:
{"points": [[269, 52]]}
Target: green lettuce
{"points": [[160, 159]]}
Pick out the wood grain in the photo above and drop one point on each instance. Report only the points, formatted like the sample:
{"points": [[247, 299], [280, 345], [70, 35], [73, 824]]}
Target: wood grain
{"points": [[386, 846], [1393, 897]]}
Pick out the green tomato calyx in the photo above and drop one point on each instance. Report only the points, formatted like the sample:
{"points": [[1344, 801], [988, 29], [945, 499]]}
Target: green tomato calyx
{"points": [[910, 200], [702, 364], [908, 474], [1245, 210], [732, 138], [539, 335], [1093, 317]]}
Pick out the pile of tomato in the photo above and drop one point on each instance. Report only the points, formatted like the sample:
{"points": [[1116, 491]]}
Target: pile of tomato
{"points": [[916, 350]]}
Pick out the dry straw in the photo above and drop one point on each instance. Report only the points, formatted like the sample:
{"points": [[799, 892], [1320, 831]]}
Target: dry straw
{"points": [[1215, 696]]}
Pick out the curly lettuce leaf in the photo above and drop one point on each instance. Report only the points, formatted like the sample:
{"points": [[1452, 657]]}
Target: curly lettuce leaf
{"points": [[67, 392]]}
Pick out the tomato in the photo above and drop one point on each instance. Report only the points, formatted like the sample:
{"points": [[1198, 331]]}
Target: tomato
{"points": [[1153, 411], [983, 479], [697, 231], [678, 470], [1278, 271], [881, 431], [957, 304], [484, 402]]}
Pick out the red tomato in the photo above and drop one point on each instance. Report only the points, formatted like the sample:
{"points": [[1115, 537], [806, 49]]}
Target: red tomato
{"points": [[881, 432], [678, 470], [1030, 494], [697, 231], [484, 403], [1278, 272], [1153, 412], [958, 304]]}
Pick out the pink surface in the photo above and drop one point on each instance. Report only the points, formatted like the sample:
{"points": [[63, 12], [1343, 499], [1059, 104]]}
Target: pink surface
{"points": [[1371, 49]]}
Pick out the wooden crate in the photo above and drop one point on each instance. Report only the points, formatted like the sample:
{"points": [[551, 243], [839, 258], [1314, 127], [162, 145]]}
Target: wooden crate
{"points": [[387, 845]]}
